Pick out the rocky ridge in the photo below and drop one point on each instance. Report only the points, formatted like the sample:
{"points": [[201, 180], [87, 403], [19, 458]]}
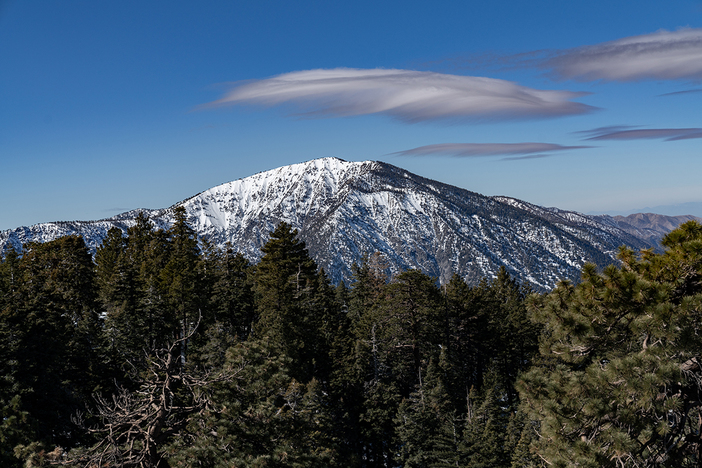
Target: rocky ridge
{"points": [[346, 210]]}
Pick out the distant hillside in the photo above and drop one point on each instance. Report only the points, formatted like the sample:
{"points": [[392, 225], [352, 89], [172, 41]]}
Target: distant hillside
{"points": [[680, 209], [648, 226]]}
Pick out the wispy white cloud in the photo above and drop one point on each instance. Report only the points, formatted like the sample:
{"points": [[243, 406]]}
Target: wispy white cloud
{"points": [[524, 158], [411, 96], [525, 150], [663, 55], [687, 91], [607, 129], [632, 133]]}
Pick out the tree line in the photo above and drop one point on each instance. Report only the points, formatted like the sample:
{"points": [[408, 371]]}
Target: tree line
{"points": [[164, 351]]}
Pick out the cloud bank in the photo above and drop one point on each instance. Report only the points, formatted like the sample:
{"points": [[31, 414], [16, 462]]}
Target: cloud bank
{"points": [[629, 133], [527, 150], [410, 96], [663, 55]]}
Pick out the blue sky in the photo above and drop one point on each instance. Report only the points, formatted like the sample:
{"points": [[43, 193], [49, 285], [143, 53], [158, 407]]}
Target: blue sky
{"points": [[110, 106]]}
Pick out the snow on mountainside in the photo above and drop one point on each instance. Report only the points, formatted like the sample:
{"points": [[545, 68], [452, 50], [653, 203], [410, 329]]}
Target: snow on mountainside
{"points": [[345, 210]]}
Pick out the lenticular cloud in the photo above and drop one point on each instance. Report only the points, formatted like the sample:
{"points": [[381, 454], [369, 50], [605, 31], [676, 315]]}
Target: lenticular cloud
{"points": [[486, 149], [627, 133], [662, 55], [411, 96]]}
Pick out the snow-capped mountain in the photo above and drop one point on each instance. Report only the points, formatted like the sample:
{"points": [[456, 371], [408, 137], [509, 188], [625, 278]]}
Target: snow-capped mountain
{"points": [[345, 210]]}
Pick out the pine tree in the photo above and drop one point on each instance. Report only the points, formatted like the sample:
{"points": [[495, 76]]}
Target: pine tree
{"points": [[106, 266], [484, 432], [369, 283], [378, 443], [372, 398], [466, 339], [116, 280], [8, 277], [179, 279], [514, 337], [127, 275], [232, 300], [54, 323], [428, 428], [260, 416], [397, 332], [14, 419], [229, 311], [520, 447], [142, 324], [345, 390], [409, 323], [285, 282], [149, 251], [618, 381]]}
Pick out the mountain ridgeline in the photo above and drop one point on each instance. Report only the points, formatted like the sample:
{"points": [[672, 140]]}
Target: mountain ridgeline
{"points": [[347, 210]]}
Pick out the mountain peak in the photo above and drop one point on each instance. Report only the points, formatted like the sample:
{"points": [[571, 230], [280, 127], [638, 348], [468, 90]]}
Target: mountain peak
{"points": [[347, 210]]}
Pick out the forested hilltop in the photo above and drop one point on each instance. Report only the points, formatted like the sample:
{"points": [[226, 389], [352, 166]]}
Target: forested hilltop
{"points": [[166, 352]]}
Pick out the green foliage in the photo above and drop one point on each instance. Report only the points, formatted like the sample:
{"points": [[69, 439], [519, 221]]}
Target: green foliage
{"points": [[117, 287], [14, 429], [467, 338], [428, 428], [171, 352], [232, 301], [259, 417], [49, 331], [291, 300], [618, 383], [513, 336], [128, 276], [179, 280], [483, 444], [521, 434]]}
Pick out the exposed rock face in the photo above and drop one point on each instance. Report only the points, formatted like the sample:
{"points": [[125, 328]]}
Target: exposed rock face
{"points": [[345, 210]]}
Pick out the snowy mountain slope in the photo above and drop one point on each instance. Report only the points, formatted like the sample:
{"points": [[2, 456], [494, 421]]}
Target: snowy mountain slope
{"points": [[345, 210]]}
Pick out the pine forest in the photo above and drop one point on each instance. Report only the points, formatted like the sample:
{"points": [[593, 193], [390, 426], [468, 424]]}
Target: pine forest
{"points": [[164, 351]]}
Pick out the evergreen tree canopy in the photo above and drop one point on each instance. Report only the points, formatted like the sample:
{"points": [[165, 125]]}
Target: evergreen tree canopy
{"points": [[258, 416], [50, 328], [620, 377], [175, 353], [180, 280], [232, 302], [428, 427], [286, 284]]}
